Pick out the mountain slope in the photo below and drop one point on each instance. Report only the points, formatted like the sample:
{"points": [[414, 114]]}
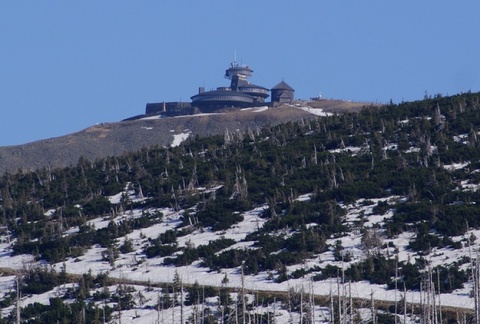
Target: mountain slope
{"points": [[379, 205], [113, 139]]}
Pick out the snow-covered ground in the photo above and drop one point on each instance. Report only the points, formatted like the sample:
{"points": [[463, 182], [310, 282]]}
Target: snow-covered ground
{"points": [[135, 266], [351, 149], [179, 138], [311, 110], [255, 109], [456, 166]]}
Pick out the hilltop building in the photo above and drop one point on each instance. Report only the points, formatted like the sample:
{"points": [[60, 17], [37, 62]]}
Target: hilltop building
{"points": [[282, 93], [240, 94], [176, 108]]}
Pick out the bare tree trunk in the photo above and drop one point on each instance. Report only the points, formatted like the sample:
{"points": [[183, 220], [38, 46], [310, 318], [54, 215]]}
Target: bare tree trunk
{"points": [[332, 308], [301, 306], [119, 311], [244, 308], [312, 302], [396, 288], [476, 288], [181, 301], [173, 306], [372, 302], [275, 309], [351, 300], [18, 306], [439, 298], [339, 300], [404, 303]]}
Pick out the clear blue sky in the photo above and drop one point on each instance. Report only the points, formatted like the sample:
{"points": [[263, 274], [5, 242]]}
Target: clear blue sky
{"points": [[67, 65]]}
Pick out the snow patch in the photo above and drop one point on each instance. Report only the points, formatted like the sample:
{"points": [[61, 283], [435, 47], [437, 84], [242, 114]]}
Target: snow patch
{"points": [[455, 166], [347, 149], [314, 111], [179, 138]]}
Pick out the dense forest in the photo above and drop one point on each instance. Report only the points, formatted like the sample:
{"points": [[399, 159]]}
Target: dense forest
{"points": [[425, 154]]}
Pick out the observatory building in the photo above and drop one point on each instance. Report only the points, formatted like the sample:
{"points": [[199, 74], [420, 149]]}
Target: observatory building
{"points": [[240, 94]]}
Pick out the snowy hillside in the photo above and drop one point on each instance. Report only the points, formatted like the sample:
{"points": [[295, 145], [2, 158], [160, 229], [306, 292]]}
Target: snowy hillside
{"points": [[339, 218]]}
